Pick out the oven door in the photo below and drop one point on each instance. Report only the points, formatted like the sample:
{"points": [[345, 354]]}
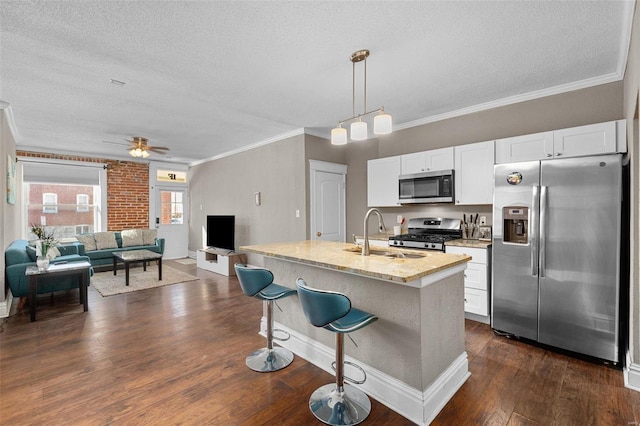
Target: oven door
{"points": [[431, 187]]}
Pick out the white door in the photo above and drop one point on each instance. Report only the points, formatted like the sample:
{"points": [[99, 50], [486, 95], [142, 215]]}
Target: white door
{"points": [[328, 214], [171, 221]]}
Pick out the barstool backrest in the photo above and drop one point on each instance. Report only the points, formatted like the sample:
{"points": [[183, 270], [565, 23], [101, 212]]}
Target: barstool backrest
{"points": [[253, 280], [322, 307]]}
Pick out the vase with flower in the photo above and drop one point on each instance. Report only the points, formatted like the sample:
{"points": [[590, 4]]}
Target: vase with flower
{"points": [[45, 246]]}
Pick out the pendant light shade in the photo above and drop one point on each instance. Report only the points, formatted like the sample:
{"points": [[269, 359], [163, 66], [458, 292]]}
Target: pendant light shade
{"points": [[339, 136], [382, 124], [359, 131]]}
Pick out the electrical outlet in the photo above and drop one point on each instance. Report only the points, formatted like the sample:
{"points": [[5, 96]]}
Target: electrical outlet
{"points": [[297, 213], [483, 220], [399, 218]]}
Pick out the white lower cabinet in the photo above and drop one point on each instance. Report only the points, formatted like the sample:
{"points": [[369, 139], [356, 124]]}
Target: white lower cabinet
{"points": [[477, 277]]}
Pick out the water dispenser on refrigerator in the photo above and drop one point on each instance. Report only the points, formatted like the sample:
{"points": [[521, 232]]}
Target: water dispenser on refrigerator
{"points": [[516, 224]]}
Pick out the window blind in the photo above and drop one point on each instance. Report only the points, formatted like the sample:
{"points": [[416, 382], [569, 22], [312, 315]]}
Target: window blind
{"points": [[49, 172]]}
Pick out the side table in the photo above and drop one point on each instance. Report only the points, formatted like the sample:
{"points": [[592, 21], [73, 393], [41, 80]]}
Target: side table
{"points": [[80, 269]]}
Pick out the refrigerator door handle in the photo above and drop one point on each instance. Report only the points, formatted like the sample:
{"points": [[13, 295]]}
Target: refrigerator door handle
{"points": [[543, 230], [535, 199]]}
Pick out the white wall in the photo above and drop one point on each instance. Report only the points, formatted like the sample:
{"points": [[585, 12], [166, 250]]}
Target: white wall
{"points": [[9, 218]]}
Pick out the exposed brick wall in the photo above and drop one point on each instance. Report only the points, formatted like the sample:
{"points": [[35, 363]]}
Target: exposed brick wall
{"points": [[128, 196], [127, 189]]}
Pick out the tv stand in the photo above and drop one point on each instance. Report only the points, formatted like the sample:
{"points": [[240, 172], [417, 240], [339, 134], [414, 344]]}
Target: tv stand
{"points": [[219, 261]]}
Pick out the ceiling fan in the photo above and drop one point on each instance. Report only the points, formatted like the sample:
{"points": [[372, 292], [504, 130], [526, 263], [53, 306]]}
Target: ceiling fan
{"points": [[139, 147]]}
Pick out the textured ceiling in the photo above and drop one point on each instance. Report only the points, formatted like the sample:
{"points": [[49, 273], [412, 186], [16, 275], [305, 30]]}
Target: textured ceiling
{"points": [[207, 78]]}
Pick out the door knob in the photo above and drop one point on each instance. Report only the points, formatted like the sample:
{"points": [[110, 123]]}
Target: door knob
{"points": [[319, 234]]}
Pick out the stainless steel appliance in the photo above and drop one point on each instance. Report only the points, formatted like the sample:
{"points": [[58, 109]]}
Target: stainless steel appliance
{"points": [[428, 233], [556, 253], [429, 187]]}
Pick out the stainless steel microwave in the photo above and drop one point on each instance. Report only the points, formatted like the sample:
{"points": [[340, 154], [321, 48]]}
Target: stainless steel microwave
{"points": [[429, 187]]}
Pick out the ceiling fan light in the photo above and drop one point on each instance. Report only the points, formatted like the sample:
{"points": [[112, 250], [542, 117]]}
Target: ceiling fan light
{"points": [[359, 131], [382, 124], [145, 154], [339, 136], [133, 152]]}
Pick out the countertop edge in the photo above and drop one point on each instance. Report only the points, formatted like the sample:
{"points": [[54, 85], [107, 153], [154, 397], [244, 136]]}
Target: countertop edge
{"points": [[407, 278]]}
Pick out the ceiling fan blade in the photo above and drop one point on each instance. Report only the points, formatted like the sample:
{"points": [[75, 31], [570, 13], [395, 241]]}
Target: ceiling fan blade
{"points": [[115, 143], [158, 147], [156, 151]]}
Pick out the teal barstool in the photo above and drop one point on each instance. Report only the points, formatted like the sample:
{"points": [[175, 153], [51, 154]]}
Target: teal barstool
{"points": [[258, 283], [339, 403]]}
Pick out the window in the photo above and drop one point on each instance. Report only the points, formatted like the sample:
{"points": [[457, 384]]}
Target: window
{"points": [[83, 229], [172, 208], [49, 202], [82, 203], [67, 210]]}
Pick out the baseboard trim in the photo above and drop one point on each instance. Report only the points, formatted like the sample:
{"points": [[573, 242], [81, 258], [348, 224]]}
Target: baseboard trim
{"points": [[5, 305], [632, 376], [418, 406]]}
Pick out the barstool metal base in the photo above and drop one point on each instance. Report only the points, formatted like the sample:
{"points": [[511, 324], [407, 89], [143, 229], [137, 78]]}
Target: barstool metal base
{"points": [[349, 407], [265, 361]]}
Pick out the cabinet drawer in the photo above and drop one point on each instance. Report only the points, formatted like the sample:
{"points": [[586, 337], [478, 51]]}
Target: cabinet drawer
{"points": [[476, 301], [475, 276], [478, 255]]}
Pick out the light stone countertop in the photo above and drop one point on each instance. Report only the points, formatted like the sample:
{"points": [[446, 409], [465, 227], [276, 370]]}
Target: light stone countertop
{"points": [[468, 243], [346, 257]]}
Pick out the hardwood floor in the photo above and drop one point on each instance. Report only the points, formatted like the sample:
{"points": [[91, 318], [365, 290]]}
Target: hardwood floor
{"points": [[175, 355]]}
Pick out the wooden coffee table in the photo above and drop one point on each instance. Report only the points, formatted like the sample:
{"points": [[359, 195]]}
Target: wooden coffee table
{"points": [[80, 269], [133, 256]]}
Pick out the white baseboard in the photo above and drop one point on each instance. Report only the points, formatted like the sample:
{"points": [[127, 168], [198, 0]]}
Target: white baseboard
{"points": [[418, 406], [5, 305], [632, 376]]}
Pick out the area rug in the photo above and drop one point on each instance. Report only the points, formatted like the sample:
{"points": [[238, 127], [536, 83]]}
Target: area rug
{"points": [[187, 261], [108, 284]]}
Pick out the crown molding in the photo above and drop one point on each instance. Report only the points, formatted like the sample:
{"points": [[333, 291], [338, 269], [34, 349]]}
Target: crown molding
{"points": [[563, 88], [8, 113]]}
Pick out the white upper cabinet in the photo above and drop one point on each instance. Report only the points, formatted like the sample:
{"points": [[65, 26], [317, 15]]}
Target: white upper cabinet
{"points": [[585, 140], [427, 161], [538, 146], [474, 173], [382, 182], [601, 138]]}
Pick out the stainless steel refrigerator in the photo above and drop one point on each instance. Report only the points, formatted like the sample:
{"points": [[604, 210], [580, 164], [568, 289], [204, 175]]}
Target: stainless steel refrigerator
{"points": [[556, 253]]}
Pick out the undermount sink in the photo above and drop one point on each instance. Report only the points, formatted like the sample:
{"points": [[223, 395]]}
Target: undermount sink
{"points": [[387, 253]]}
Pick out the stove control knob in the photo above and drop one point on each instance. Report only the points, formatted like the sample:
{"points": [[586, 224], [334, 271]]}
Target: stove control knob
{"points": [[433, 246]]}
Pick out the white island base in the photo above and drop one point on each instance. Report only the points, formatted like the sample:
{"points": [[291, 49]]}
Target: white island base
{"points": [[414, 355]]}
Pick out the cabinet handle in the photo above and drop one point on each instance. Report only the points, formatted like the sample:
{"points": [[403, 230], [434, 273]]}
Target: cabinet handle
{"points": [[549, 155], [319, 234], [558, 154]]}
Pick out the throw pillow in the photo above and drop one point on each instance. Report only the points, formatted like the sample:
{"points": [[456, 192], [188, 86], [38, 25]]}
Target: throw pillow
{"points": [[105, 240], [149, 237], [88, 241], [31, 251], [131, 237]]}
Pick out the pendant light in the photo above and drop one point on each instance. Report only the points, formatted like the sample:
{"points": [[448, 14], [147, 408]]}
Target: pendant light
{"points": [[382, 123]]}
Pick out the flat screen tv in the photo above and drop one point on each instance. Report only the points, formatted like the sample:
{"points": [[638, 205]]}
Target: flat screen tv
{"points": [[221, 232]]}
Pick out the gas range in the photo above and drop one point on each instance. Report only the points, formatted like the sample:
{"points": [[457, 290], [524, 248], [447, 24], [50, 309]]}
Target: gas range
{"points": [[428, 233]]}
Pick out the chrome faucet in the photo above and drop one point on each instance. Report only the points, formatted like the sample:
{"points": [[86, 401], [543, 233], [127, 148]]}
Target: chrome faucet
{"points": [[381, 227]]}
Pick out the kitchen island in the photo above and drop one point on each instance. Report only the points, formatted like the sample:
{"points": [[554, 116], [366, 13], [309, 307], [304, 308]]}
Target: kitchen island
{"points": [[414, 355]]}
